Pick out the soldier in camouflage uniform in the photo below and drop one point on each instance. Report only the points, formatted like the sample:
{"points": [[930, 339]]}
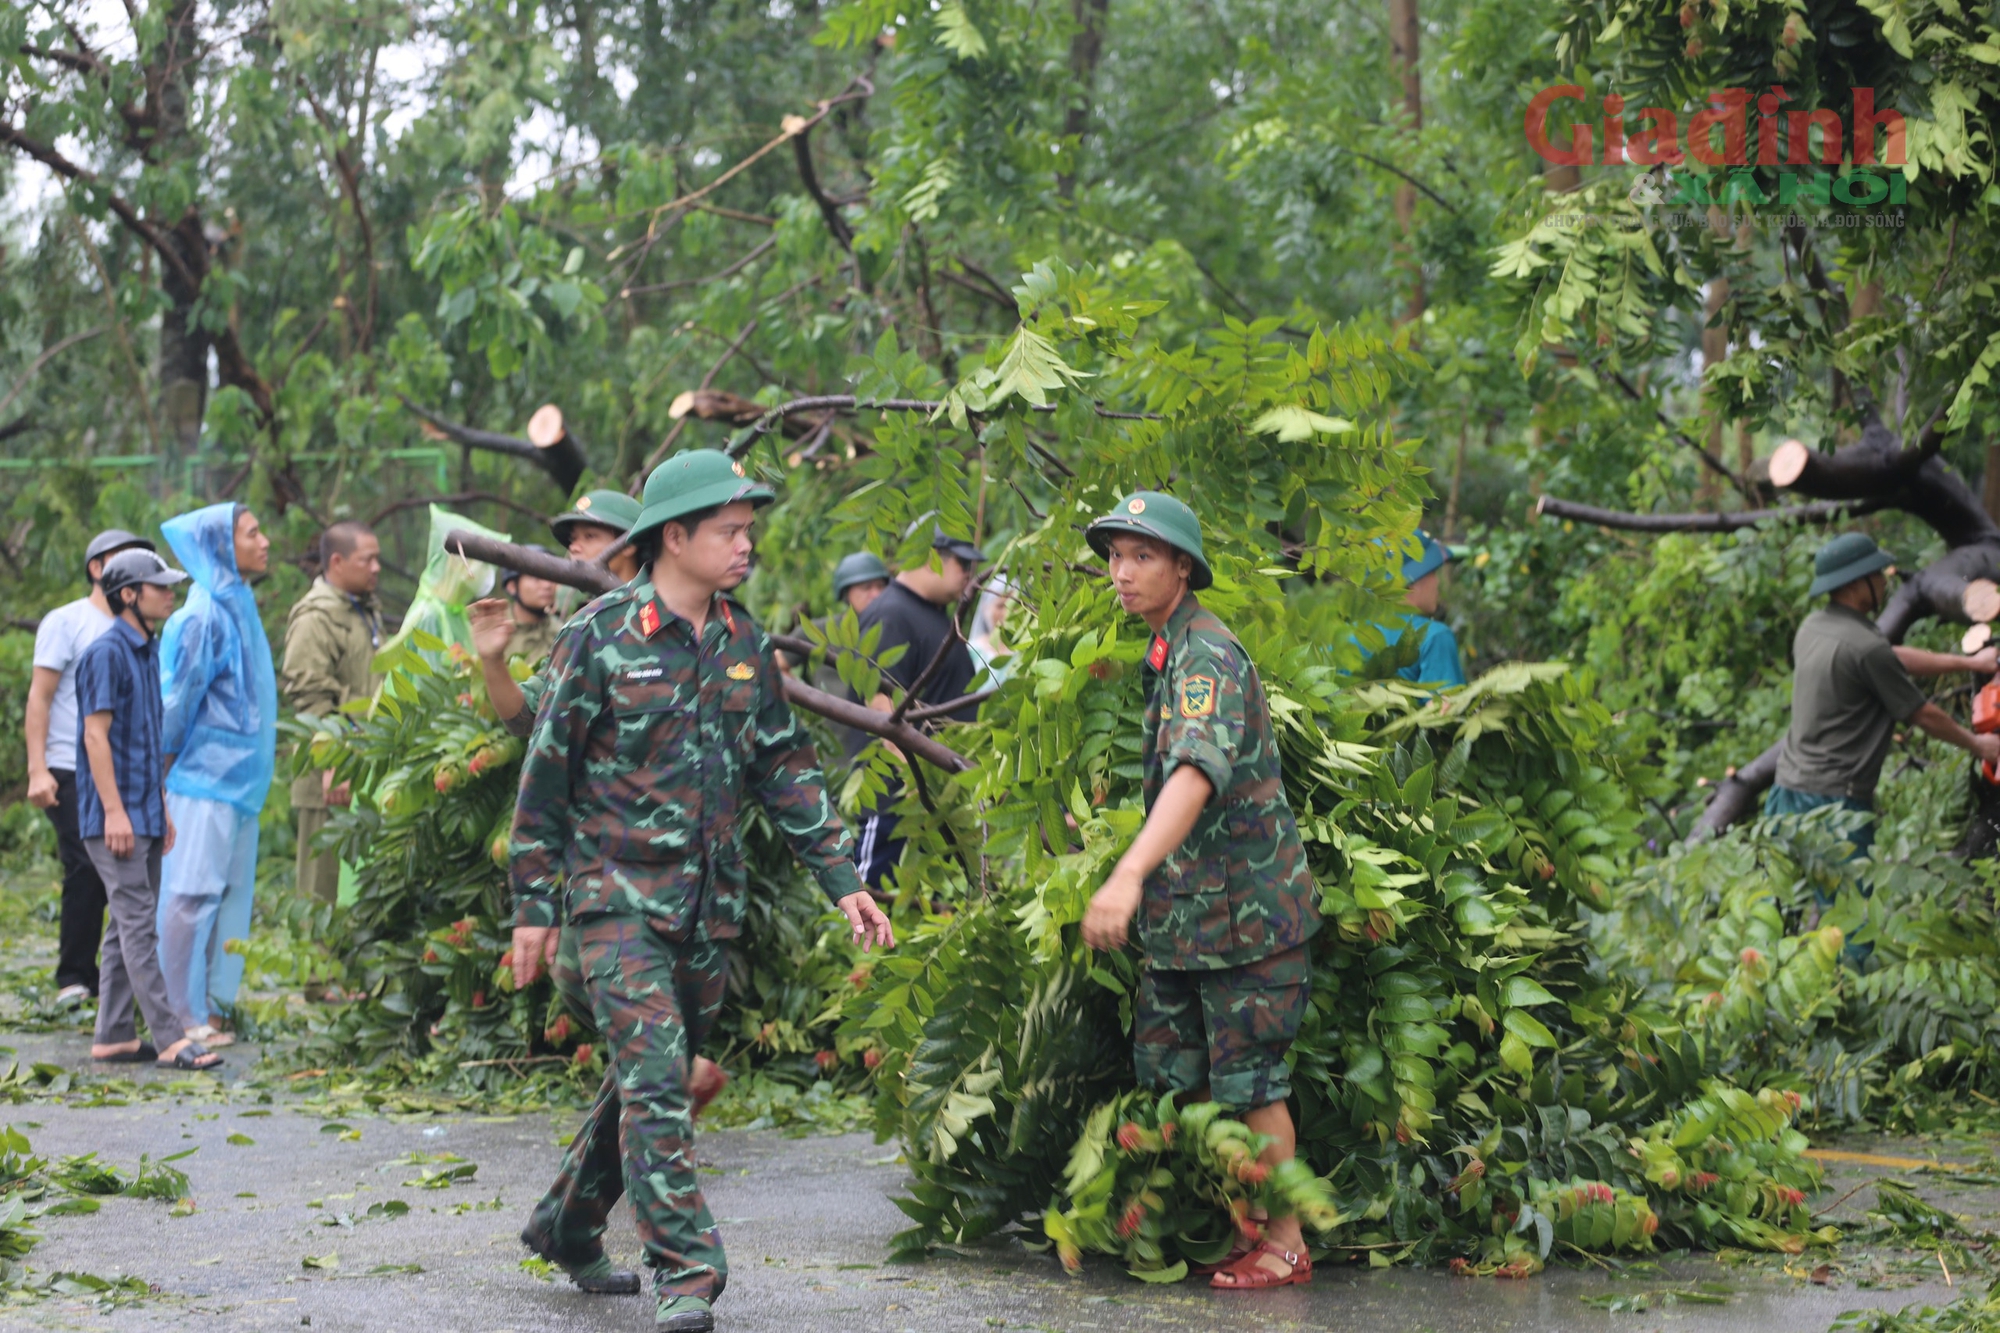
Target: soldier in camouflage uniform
{"points": [[664, 710], [1218, 874], [532, 607]]}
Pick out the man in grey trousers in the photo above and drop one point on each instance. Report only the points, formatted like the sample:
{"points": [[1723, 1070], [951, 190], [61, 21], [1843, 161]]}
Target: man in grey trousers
{"points": [[122, 813]]}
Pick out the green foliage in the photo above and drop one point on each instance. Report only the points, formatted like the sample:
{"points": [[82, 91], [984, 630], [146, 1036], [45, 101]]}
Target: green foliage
{"points": [[427, 940], [1751, 939]]}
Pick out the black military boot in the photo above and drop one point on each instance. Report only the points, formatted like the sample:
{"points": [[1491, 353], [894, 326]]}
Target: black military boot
{"points": [[595, 1275]]}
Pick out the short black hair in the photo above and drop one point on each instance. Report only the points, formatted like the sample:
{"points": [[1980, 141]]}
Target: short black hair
{"points": [[647, 544], [341, 539]]}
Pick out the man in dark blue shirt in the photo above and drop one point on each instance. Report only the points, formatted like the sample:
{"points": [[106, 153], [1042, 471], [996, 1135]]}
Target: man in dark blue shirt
{"points": [[122, 815]]}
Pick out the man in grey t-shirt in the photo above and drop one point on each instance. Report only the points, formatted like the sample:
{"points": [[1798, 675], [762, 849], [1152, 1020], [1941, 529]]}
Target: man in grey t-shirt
{"points": [[1851, 686], [51, 724]]}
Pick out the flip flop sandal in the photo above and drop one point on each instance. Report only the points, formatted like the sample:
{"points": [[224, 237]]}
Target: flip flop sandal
{"points": [[190, 1059], [145, 1052], [1246, 1274], [212, 1038]]}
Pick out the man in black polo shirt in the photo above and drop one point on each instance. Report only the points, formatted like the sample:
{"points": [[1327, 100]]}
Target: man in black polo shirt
{"points": [[916, 610]]}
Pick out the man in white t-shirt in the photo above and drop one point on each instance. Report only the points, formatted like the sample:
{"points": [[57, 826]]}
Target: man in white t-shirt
{"points": [[52, 729]]}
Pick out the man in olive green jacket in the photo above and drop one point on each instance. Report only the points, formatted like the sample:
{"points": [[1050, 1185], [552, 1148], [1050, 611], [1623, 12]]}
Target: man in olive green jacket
{"points": [[331, 637]]}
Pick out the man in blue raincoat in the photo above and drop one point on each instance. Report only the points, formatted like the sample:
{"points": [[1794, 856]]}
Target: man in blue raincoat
{"points": [[220, 735], [1437, 661]]}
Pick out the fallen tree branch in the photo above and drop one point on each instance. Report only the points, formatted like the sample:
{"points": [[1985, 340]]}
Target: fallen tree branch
{"points": [[1548, 506], [560, 461], [595, 578], [1736, 796]]}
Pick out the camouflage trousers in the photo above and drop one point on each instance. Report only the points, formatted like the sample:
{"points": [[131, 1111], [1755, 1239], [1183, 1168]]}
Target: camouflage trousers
{"points": [[1228, 1030], [653, 1001]]}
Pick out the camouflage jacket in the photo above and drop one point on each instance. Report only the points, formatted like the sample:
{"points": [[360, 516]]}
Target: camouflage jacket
{"points": [[643, 749], [330, 643], [1238, 889]]}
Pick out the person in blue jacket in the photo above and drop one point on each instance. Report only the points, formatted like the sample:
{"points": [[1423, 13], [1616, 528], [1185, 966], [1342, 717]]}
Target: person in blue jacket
{"points": [[220, 736], [1438, 661]]}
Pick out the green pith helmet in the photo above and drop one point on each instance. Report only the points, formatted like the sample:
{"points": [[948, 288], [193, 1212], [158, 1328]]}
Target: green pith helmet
{"points": [[861, 567], [1161, 517], [696, 479], [1850, 556], [607, 509]]}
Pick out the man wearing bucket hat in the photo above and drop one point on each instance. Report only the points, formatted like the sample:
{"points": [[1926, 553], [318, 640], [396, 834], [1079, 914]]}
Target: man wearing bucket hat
{"points": [[1437, 661], [1850, 687], [1217, 876], [532, 603], [859, 579], [664, 711]]}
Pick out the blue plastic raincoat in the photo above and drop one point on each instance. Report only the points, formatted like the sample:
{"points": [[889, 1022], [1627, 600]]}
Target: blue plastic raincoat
{"points": [[221, 717]]}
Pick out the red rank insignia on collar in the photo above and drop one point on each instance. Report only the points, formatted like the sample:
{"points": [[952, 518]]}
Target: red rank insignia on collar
{"points": [[649, 620], [727, 619], [1156, 657]]}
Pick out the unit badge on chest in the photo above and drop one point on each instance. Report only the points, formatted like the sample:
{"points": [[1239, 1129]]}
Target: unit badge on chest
{"points": [[741, 671]]}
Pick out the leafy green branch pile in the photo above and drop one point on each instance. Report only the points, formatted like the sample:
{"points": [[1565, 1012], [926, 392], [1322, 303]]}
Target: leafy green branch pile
{"points": [[1473, 1086], [1872, 986]]}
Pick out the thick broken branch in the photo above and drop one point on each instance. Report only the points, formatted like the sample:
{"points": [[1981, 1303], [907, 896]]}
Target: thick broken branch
{"points": [[562, 454], [1548, 506], [562, 458], [596, 579], [1736, 798]]}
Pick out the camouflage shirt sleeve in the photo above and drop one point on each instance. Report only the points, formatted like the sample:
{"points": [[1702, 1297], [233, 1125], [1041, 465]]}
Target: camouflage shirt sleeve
{"points": [[1202, 715], [550, 777], [533, 690], [785, 776]]}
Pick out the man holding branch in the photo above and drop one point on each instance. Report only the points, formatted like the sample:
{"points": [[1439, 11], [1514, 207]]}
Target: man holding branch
{"points": [[664, 710], [1218, 873]]}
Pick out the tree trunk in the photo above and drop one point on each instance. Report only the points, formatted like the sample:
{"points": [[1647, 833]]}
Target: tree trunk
{"points": [[1086, 48], [183, 367], [1404, 32], [1714, 350]]}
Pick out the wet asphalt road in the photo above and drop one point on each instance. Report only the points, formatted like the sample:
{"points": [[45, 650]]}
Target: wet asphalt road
{"points": [[806, 1222]]}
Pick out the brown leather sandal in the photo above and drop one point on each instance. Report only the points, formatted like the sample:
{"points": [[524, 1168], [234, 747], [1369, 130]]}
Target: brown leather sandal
{"points": [[1246, 1274]]}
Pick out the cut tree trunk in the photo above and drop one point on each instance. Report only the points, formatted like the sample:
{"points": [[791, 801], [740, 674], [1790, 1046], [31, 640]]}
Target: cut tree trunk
{"points": [[562, 459], [562, 453]]}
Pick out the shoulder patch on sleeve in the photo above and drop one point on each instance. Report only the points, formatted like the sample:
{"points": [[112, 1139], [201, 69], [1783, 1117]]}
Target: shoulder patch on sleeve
{"points": [[1197, 696]]}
